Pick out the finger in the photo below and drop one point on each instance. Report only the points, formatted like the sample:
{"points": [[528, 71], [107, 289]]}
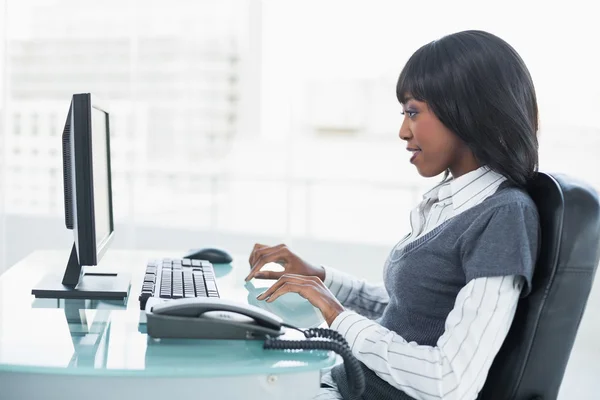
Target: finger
{"points": [[282, 281], [291, 287], [269, 274], [266, 255], [256, 247], [261, 250], [279, 254]]}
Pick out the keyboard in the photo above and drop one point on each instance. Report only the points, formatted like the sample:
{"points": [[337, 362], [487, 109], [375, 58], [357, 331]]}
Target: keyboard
{"points": [[178, 278]]}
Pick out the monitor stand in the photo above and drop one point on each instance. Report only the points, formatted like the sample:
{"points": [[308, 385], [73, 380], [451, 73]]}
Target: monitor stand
{"points": [[78, 284]]}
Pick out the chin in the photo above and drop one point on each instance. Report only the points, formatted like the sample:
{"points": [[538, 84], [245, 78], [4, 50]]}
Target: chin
{"points": [[429, 172]]}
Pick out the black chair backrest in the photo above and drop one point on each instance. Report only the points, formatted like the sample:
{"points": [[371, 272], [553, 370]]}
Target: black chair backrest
{"points": [[532, 360]]}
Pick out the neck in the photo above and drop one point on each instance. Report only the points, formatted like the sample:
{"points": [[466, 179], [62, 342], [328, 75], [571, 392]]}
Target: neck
{"points": [[464, 164]]}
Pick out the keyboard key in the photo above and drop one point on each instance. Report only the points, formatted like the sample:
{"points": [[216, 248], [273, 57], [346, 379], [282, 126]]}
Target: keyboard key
{"points": [[211, 286], [199, 283], [188, 284], [144, 296], [188, 290]]}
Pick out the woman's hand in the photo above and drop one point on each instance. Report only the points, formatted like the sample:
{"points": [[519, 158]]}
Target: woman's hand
{"points": [[280, 254], [311, 288]]}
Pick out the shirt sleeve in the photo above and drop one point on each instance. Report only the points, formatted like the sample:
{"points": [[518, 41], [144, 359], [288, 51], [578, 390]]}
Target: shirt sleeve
{"points": [[365, 298], [457, 367]]}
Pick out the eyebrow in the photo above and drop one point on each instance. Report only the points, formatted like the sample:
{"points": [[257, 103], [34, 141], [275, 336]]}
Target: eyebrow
{"points": [[407, 99]]}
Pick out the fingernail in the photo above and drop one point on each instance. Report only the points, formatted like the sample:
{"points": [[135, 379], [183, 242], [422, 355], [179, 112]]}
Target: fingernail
{"points": [[259, 275], [260, 295]]}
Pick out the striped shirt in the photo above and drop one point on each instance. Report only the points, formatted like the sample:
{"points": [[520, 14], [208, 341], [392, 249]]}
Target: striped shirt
{"points": [[474, 329]]}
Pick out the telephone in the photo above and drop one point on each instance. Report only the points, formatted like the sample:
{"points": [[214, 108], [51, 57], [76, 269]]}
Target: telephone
{"points": [[216, 318], [210, 318]]}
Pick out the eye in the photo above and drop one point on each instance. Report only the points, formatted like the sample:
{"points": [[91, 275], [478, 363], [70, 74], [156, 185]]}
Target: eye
{"points": [[411, 114]]}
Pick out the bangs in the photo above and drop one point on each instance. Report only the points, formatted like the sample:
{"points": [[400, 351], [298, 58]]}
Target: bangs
{"points": [[416, 79]]}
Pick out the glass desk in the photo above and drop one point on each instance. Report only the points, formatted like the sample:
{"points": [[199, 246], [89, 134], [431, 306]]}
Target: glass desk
{"points": [[72, 349]]}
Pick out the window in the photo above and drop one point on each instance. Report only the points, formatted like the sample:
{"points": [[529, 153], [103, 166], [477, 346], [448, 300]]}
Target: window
{"points": [[258, 118], [16, 123], [35, 121]]}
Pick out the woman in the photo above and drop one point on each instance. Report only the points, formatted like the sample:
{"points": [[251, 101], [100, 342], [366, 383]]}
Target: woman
{"points": [[452, 285]]}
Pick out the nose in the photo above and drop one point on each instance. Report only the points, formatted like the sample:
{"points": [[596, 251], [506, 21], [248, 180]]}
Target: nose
{"points": [[405, 133]]}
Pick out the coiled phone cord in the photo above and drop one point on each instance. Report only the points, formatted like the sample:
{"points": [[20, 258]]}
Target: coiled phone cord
{"points": [[334, 342]]}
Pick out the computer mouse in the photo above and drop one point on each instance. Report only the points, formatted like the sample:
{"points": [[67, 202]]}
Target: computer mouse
{"points": [[210, 254]]}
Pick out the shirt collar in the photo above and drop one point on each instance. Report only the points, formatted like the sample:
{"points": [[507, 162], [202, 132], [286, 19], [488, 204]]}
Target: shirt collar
{"points": [[464, 187], [434, 192]]}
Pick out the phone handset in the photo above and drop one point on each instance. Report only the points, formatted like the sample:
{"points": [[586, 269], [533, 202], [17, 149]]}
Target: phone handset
{"points": [[199, 306]]}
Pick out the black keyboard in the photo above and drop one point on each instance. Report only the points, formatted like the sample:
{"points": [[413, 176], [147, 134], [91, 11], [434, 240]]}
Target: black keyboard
{"points": [[178, 278]]}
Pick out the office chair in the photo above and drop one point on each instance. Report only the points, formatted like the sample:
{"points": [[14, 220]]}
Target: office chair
{"points": [[532, 360]]}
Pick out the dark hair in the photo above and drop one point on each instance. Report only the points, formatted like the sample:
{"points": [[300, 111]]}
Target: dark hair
{"points": [[479, 87]]}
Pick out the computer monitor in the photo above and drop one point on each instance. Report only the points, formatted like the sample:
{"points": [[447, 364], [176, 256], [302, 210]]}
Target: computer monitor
{"points": [[88, 206]]}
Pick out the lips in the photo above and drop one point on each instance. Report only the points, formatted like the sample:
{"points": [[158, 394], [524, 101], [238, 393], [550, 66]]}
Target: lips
{"points": [[415, 152]]}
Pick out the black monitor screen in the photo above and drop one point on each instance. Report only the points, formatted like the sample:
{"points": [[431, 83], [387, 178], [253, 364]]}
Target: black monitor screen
{"points": [[100, 179]]}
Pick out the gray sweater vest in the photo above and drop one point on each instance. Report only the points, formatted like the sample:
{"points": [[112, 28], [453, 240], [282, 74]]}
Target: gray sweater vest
{"points": [[497, 237]]}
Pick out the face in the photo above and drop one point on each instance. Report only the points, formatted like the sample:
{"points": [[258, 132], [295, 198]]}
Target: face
{"points": [[433, 147]]}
